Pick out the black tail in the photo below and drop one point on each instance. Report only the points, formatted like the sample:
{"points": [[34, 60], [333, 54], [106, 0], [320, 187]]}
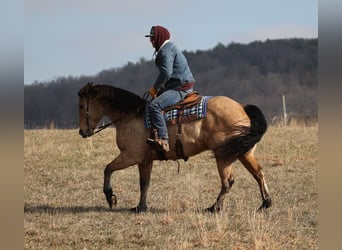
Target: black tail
{"points": [[246, 137]]}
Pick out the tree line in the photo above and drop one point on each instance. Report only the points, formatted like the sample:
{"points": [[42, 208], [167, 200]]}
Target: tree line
{"points": [[258, 73]]}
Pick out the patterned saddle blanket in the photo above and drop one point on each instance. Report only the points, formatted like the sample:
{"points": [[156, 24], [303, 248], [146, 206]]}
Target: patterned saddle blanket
{"points": [[182, 113]]}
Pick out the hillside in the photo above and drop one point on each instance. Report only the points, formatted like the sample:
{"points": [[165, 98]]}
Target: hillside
{"points": [[256, 73]]}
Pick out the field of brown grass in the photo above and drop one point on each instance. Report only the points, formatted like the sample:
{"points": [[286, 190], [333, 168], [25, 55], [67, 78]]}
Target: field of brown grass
{"points": [[64, 207]]}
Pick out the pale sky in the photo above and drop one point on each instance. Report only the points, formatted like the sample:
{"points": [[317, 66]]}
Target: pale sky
{"points": [[84, 37]]}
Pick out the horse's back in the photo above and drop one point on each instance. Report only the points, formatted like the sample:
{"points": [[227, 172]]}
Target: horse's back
{"points": [[225, 111]]}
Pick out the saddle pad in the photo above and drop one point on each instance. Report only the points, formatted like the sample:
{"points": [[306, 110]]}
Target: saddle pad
{"points": [[196, 111]]}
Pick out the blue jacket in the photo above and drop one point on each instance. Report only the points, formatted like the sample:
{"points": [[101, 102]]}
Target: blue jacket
{"points": [[173, 67]]}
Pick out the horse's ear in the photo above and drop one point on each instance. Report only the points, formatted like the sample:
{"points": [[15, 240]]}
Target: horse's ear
{"points": [[86, 90]]}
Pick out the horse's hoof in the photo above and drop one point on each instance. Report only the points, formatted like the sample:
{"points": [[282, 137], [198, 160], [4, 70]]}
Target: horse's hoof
{"points": [[111, 198], [213, 209], [115, 199], [138, 209], [265, 204]]}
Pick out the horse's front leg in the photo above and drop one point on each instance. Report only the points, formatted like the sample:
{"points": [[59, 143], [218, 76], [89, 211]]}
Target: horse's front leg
{"points": [[145, 170], [120, 162]]}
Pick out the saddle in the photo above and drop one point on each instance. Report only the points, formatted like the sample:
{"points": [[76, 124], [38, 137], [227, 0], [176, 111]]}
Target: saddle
{"points": [[189, 100]]}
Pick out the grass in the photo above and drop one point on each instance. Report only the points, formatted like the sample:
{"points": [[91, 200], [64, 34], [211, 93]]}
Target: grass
{"points": [[64, 207]]}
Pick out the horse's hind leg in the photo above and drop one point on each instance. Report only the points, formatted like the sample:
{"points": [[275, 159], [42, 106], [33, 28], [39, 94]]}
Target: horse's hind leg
{"points": [[252, 165], [225, 170], [145, 170]]}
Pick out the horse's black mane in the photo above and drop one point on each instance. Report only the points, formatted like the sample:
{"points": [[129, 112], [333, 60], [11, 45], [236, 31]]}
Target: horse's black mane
{"points": [[115, 98]]}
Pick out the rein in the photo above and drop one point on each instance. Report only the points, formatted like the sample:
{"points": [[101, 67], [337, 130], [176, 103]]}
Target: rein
{"points": [[103, 127], [99, 129]]}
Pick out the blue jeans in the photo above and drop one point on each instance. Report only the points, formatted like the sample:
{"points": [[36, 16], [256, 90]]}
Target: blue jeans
{"points": [[166, 99]]}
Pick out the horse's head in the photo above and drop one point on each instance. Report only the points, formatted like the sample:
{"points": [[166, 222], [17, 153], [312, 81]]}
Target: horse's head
{"points": [[90, 110]]}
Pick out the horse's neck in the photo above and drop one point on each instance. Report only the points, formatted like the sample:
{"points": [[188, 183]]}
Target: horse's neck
{"points": [[122, 119], [124, 104], [126, 118]]}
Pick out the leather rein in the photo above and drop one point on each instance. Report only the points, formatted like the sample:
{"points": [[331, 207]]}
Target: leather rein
{"points": [[98, 129]]}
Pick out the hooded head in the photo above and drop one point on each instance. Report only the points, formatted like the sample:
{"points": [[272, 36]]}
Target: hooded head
{"points": [[158, 35]]}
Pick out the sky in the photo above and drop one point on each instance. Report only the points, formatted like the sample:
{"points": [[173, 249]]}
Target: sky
{"points": [[84, 37]]}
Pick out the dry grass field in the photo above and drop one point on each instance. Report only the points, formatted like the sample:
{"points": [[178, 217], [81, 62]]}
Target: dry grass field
{"points": [[64, 207]]}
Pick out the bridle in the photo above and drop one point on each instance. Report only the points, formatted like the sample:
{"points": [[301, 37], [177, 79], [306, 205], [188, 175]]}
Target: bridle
{"points": [[96, 130]]}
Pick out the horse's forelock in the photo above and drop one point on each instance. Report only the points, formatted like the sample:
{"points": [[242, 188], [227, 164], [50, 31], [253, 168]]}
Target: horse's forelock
{"points": [[87, 90]]}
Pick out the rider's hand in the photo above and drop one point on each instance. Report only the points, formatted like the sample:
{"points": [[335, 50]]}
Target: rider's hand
{"points": [[153, 92]]}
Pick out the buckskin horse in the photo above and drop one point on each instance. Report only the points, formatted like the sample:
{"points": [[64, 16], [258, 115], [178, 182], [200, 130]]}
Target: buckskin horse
{"points": [[229, 129]]}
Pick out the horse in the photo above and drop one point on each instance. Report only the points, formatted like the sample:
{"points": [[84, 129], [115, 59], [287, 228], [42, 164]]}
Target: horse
{"points": [[230, 130]]}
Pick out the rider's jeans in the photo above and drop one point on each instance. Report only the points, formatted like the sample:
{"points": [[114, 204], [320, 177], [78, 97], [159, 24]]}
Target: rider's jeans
{"points": [[166, 99]]}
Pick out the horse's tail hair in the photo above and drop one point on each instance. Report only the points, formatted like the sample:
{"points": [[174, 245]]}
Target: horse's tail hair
{"points": [[244, 137]]}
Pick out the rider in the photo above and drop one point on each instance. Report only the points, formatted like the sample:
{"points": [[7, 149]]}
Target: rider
{"points": [[173, 83]]}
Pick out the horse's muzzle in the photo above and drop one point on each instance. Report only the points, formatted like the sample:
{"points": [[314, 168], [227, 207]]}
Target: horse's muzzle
{"points": [[86, 133]]}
